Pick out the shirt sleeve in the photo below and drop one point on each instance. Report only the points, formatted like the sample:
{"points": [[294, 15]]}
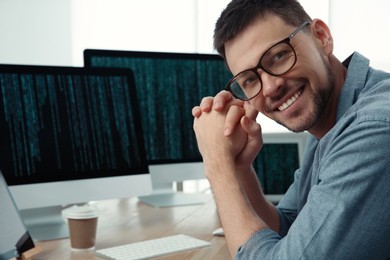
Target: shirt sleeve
{"points": [[347, 212], [287, 207]]}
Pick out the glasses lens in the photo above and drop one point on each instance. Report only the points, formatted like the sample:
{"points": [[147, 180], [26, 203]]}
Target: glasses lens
{"points": [[279, 59], [245, 85]]}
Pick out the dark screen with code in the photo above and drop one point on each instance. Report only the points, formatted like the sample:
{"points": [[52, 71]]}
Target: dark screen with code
{"points": [[61, 123]]}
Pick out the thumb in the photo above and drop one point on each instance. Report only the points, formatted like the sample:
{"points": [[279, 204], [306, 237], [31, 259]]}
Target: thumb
{"points": [[255, 140]]}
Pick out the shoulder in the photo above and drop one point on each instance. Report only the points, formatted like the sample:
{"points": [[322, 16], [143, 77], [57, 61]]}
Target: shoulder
{"points": [[362, 133], [373, 102]]}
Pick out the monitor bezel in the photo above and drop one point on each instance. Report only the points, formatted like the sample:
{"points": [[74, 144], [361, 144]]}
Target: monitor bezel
{"points": [[152, 54]]}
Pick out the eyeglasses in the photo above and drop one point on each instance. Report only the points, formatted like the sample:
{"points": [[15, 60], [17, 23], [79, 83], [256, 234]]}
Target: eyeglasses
{"points": [[276, 61]]}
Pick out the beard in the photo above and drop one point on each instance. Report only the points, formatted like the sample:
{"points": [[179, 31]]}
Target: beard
{"points": [[320, 98]]}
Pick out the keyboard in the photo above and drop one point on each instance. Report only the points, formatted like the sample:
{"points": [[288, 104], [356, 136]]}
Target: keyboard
{"points": [[152, 248]]}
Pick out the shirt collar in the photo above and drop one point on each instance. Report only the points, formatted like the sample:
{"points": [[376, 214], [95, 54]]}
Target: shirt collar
{"points": [[358, 67]]}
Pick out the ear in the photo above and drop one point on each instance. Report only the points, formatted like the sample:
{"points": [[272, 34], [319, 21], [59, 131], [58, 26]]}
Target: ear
{"points": [[323, 36]]}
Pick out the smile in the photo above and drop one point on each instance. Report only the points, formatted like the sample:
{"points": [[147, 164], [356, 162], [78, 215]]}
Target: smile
{"points": [[290, 101]]}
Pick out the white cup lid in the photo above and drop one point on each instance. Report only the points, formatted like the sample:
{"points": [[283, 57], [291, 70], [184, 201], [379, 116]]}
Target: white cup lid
{"points": [[80, 212]]}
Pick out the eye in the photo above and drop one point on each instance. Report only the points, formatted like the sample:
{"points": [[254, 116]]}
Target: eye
{"points": [[250, 82], [247, 80], [280, 56], [277, 55]]}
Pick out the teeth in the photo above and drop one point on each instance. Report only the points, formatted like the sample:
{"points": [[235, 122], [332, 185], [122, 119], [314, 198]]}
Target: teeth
{"points": [[290, 101]]}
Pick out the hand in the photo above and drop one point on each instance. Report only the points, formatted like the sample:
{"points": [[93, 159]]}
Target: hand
{"points": [[217, 148], [219, 103], [235, 113]]}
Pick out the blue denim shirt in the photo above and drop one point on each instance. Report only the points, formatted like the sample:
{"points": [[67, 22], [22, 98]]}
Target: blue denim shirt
{"points": [[339, 204]]}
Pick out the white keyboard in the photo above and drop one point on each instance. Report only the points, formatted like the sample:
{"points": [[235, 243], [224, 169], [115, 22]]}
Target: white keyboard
{"points": [[152, 248]]}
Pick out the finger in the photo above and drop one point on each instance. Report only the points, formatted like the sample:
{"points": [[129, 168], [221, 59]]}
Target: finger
{"points": [[233, 117], [221, 99], [196, 111], [253, 129], [250, 111], [250, 126], [206, 104]]}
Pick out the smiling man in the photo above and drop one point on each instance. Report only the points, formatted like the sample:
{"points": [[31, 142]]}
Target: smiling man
{"points": [[283, 65]]}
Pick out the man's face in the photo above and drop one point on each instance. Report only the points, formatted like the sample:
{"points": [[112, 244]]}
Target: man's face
{"points": [[298, 98]]}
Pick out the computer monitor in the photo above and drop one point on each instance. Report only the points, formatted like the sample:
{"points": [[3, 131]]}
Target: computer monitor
{"points": [[69, 135], [168, 86], [280, 157]]}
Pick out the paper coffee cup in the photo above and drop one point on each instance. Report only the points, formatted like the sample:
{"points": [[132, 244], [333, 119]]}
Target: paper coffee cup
{"points": [[82, 223]]}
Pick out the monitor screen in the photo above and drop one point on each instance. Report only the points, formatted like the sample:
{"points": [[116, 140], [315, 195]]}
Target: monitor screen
{"points": [[70, 135], [276, 163], [168, 85]]}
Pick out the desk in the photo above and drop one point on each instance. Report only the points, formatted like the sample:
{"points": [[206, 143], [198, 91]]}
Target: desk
{"points": [[126, 221]]}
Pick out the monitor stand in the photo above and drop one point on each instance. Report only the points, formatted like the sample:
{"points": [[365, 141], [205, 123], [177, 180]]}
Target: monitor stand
{"points": [[163, 178], [165, 196], [172, 199], [45, 223]]}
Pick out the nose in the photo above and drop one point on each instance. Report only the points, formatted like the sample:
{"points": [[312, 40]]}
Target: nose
{"points": [[271, 84]]}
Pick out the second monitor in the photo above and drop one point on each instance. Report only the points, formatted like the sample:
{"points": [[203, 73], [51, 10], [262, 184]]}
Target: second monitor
{"points": [[168, 86]]}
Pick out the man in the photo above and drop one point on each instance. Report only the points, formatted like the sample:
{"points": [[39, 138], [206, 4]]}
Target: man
{"points": [[339, 204]]}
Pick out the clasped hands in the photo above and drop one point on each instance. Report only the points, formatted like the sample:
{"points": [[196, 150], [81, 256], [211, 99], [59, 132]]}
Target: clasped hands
{"points": [[226, 130]]}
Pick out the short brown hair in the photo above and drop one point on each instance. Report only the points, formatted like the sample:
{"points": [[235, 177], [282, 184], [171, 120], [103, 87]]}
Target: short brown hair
{"points": [[239, 14]]}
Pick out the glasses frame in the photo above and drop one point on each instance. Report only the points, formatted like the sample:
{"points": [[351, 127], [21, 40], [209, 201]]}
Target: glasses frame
{"points": [[287, 41]]}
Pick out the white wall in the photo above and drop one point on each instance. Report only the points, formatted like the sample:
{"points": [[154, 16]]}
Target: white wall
{"points": [[150, 25], [35, 32], [208, 13], [363, 26]]}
